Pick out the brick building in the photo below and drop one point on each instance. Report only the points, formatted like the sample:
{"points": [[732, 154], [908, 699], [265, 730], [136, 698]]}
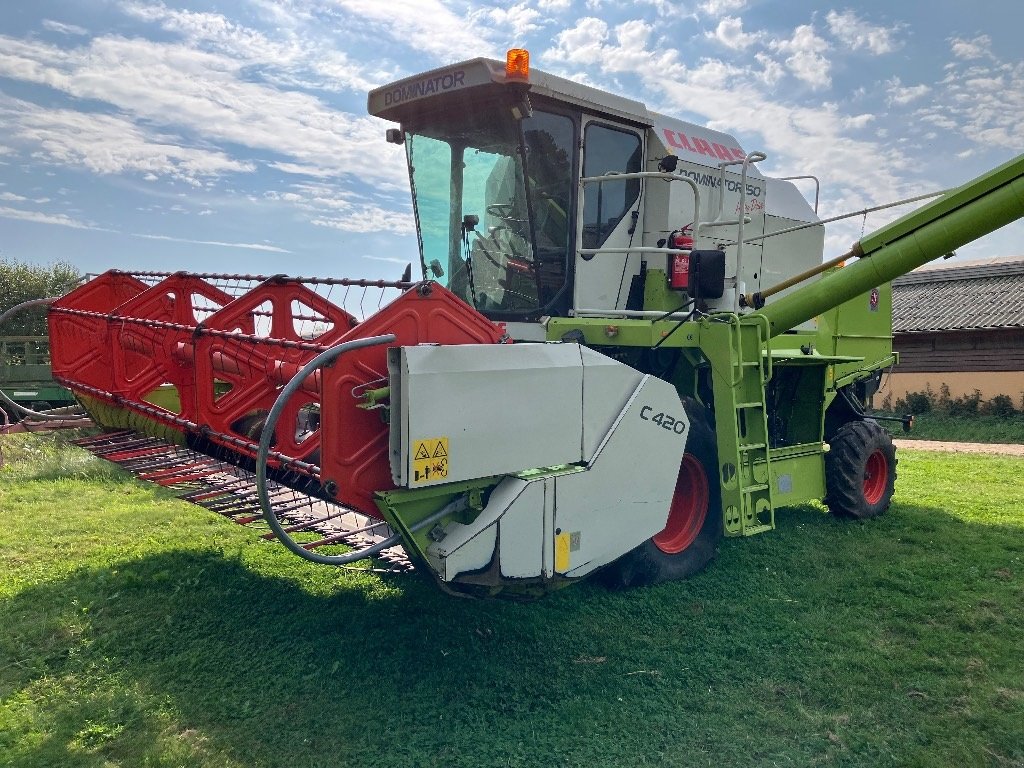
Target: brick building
{"points": [[959, 324]]}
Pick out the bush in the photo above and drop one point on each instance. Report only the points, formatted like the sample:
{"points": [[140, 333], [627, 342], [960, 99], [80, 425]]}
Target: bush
{"points": [[926, 401], [965, 405], [1000, 405], [918, 402], [22, 282]]}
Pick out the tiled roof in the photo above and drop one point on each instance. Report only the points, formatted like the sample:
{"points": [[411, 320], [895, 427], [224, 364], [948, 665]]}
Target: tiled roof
{"points": [[953, 296]]}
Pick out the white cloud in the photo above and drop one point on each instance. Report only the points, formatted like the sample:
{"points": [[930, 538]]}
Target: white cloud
{"points": [[554, 5], [719, 7], [107, 144], [799, 139], [520, 18], [325, 206], [197, 93], [975, 48], [247, 246], [63, 29], [10, 197], [806, 60], [729, 33], [856, 33], [771, 70], [290, 58], [37, 217], [423, 25], [900, 94], [984, 104]]}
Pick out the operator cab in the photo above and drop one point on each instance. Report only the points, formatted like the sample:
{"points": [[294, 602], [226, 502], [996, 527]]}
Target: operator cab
{"points": [[493, 155], [500, 156]]}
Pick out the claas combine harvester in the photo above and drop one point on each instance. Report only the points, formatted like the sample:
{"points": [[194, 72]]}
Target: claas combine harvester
{"points": [[625, 347]]}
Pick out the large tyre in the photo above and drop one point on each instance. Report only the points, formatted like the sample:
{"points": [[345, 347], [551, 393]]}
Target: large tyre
{"points": [[695, 526], [860, 471]]}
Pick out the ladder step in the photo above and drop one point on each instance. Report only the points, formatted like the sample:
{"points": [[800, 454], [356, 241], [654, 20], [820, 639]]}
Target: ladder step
{"points": [[755, 488], [758, 404], [753, 447]]}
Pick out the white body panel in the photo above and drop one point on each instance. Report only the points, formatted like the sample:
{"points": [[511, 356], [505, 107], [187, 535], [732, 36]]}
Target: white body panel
{"points": [[503, 408], [614, 495]]}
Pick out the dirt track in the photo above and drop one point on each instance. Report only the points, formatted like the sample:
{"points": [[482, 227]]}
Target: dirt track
{"points": [[1003, 449]]}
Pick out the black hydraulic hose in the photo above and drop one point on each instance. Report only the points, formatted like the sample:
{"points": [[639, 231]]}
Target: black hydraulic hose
{"points": [[324, 358], [4, 316]]}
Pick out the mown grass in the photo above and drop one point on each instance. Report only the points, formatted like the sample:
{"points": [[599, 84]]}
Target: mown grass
{"points": [[980, 428], [136, 630]]}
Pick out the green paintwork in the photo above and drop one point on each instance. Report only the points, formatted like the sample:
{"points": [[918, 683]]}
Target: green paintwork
{"points": [[402, 508], [856, 330], [798, 478], [25, 375], [657, 294], [110, 416]]}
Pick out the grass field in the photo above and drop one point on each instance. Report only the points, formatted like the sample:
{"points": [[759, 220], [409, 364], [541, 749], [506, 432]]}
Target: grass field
{"points": [[137, 630], [980, 428]]}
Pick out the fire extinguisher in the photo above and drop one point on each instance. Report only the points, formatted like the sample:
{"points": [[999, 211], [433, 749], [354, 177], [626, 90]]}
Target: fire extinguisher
{"points": [[679, 275]]}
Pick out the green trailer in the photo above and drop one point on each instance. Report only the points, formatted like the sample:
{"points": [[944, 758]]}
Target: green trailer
{"points": [[25, 375]]}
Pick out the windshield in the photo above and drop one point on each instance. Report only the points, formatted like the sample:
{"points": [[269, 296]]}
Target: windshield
{"points": [[480, 234]]}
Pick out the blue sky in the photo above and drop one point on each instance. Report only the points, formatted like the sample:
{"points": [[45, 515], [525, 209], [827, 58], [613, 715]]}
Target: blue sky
{"points": [[232, 136]]}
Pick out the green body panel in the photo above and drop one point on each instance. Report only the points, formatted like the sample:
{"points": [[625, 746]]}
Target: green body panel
{"points": [[798, 477], [859, 328]]}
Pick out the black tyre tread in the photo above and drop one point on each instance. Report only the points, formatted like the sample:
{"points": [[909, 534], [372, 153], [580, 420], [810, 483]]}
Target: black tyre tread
{"points": [[845, 462], [647, 564]]}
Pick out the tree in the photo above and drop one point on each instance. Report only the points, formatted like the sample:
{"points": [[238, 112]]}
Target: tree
{"points": [[22, 282]]}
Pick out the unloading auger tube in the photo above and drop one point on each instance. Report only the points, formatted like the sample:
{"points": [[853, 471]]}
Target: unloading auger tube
{"points": [[60, 414], [263, 453]]}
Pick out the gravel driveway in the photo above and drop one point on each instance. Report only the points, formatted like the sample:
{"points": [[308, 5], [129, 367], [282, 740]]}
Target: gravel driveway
{"points": [[1003, 449]]}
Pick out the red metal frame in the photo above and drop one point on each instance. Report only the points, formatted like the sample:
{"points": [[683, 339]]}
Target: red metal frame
{"points": [[118, 338]]}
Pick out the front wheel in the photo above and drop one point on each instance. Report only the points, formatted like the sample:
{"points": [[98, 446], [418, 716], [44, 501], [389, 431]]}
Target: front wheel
{"points": [[690, 538], [860, 471]]}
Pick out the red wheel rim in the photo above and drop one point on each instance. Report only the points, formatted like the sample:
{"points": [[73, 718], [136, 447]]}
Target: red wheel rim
{"points": [[876, 477], [689, 508]]}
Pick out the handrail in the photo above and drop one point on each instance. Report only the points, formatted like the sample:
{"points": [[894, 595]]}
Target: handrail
{"points": [[588, 253], [817, 186], [752, 157]]}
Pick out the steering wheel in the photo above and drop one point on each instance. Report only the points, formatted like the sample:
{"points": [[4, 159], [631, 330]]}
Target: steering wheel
{"points": [[504, 212]]}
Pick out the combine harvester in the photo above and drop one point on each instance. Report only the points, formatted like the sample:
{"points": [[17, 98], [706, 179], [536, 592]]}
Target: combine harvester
{"points": [[626, 346]]}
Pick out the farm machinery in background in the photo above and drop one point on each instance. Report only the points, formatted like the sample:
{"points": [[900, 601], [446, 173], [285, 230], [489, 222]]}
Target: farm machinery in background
{"points": [[625, 347]]}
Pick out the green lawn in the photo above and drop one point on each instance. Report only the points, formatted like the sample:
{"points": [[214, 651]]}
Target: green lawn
{"points": [[979, 428], [137, 630]]}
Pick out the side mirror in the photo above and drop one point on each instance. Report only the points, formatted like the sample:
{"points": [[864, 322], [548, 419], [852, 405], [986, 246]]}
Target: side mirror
{"points": [[707, 274]]}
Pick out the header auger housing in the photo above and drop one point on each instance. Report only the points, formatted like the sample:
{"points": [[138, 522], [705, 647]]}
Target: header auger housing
{"points": [[626, 347]]}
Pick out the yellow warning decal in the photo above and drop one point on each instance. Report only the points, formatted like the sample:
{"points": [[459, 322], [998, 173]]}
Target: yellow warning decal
{"points": [[562, 552], [430, 459]]}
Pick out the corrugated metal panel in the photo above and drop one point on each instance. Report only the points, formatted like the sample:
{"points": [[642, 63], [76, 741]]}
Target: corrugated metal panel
{"points": [[989, 295]]}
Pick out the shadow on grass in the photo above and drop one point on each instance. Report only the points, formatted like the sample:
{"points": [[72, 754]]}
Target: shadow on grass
{"points": [[192, 657]]}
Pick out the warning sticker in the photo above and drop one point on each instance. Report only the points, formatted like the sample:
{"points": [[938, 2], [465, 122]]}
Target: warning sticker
{"points": [[562, 549], [430, 459]]}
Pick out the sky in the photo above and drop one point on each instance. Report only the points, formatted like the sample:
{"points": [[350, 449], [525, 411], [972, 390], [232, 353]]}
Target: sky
{"points": [[232, 136]]}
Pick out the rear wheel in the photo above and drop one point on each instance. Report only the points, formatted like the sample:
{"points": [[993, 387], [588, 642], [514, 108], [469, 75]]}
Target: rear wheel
{"points": [[860, 470], [690, 538]]}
